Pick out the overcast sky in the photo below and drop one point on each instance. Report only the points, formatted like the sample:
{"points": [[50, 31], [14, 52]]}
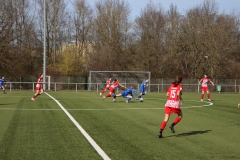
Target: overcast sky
{"points": [[226, 6]]}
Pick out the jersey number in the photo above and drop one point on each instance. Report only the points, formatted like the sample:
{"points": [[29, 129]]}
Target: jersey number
{"points": [[173, 93]]}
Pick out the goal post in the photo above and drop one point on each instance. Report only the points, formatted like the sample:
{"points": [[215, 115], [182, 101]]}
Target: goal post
{"points": [[97, 79], [49, 82]]}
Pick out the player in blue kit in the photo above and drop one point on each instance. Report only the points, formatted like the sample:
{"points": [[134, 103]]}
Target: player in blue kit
{"points": [[128, 93], [2, 85], [142, 88]]}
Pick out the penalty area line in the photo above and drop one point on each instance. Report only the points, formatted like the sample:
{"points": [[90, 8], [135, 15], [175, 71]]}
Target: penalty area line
{"points": [[86, 135]]}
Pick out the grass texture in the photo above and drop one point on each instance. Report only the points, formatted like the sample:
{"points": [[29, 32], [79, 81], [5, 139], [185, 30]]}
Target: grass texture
{"points": [[41, 129]]}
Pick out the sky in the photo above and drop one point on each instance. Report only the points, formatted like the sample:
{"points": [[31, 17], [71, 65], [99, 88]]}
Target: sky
{"points": [[226, 6]]}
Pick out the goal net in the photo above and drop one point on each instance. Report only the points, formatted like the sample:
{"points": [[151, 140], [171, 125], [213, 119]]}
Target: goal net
{"points": [[97, 79]]}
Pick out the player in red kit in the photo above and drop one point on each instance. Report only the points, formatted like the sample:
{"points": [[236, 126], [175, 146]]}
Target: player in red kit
{"points": [[115, 84], [204, 82], [172, 105], [39, 89], [108, 83]]}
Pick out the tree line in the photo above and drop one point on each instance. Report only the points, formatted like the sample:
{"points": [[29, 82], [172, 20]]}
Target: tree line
{"points": [[104, 37]]}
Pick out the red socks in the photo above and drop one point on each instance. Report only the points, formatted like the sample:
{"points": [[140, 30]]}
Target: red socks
{"points": [[176, 120], [163, 125], [208, 96], [108, 95]]}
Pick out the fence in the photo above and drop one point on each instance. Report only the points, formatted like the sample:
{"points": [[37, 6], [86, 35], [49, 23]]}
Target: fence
{"points": [[96, 87]]}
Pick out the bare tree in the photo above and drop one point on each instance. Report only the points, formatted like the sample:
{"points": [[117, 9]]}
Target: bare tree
{"points": [[83, 28], [173, 59], [111, 29], [150, 29], [57, 32], [79, 39], [226, 46], [18, 40], [207, 34]]}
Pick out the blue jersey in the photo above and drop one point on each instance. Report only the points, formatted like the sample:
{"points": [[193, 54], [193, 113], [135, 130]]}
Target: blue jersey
{"points": [[143, 84], [129, 91], [142, 87], [2, 82]]}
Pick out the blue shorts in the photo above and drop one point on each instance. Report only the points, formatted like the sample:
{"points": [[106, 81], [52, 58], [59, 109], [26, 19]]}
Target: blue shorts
{"points": [[142, 90], [124, 94]]}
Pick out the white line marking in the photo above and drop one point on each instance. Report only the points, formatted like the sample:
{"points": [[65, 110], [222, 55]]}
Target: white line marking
{"points": [[109, 109], [90, 140]]}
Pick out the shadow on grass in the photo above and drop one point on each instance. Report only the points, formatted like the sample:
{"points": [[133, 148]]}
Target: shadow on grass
{"points": [[124, 101], [5, 104], [190, 133]]}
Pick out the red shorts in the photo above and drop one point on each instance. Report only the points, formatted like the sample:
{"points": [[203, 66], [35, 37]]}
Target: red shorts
{"points": [[170, 110], [204, 88], [106, 88], [112, 90], [39, 88]]}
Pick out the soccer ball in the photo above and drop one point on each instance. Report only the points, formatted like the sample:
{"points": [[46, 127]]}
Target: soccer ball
{"points": [[141, 99]]}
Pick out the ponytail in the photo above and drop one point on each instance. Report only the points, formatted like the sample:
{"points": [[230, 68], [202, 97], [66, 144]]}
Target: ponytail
{"points": [[177, 80]]}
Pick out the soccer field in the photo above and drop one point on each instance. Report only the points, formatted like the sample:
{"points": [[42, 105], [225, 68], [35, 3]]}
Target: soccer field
{"points": [[80, 126]]}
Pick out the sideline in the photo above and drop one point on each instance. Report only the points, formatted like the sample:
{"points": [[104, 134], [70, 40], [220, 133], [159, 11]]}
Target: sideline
{"points": [[86, 135]]}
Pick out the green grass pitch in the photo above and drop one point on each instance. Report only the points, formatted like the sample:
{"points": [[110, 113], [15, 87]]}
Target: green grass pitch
{"points": [[42, 130]]}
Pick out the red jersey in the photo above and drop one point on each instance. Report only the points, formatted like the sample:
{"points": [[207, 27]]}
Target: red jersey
{"points": [[173, 98], [114, 85], [108, 83], [39, 82], [205, 81]]}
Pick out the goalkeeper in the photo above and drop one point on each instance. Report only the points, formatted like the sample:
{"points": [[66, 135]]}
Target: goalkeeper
{"points": [[128, 93]]}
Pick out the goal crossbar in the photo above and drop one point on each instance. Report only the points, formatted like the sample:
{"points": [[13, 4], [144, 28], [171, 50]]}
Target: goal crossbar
{"points": [[98, 78]]}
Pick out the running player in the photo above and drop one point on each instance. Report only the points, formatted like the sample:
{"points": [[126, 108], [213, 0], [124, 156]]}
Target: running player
{"points": [[108, 83], [39, 89], [142, 88], [2, 84], [115, 84], [172, 105]]}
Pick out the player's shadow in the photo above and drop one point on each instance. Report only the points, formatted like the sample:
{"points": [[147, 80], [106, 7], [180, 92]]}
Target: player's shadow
{"points": [[190, 133], [128, 102]]}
